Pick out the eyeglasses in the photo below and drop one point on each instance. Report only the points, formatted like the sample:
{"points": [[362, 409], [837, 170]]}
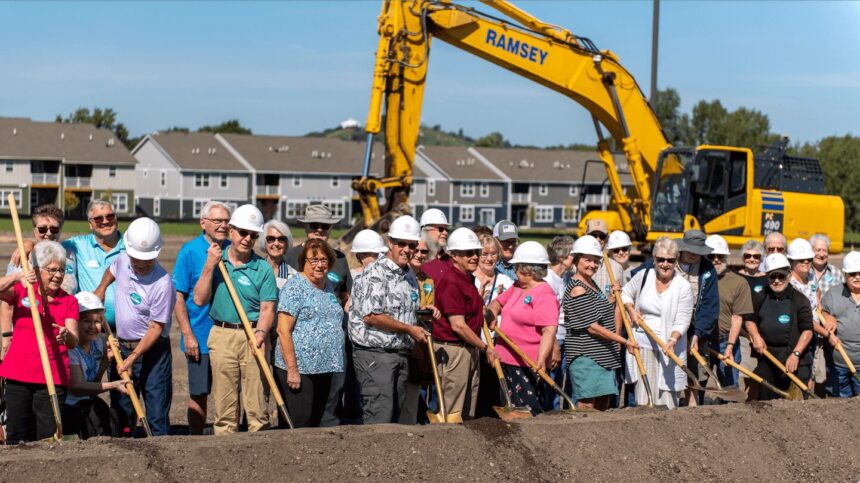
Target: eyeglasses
{"points": [[754, 256], [852, 275], [424, 251], [412, 245], [489, 255], [318, 261], [218, 221], [109, 218], [777, 277], [665, 260], [619, 250], [775, 249], [54, 271], [469, 253], [319, 226], [248, 234], [273, 239], [808, 260], [44, 229], [599, 235]]}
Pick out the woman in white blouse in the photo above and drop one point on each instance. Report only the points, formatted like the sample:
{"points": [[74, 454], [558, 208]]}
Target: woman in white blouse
{"points": [[663, 300]]}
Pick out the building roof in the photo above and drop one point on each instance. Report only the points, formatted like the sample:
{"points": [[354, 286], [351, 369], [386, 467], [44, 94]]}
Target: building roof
{"points": [[71, 143], [197, 151], [549, 165], [458, 163], [310, 155]]}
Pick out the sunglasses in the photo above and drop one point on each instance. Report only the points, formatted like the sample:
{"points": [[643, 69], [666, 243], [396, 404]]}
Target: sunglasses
{"points": [[469, 253], [407, 244], [439, 228], [599, 235], [109, 218], [319, 226], [44, 229], [273, 239], [248, 234], [777, 277], [619, 250], [775, 249], [852, 275], [754, 256], [425, 251], [665, 260], [716, 257]]}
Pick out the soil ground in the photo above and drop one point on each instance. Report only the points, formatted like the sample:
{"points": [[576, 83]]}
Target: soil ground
{"points": [[781, 440]]}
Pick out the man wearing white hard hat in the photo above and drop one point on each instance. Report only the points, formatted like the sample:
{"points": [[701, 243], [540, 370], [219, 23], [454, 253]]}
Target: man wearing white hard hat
{"points": [[232, 360], [619, 247], [383, 325], [735, 304], [841, 305], [800, 257], [781, 322], [435, 224], [144, 311]]}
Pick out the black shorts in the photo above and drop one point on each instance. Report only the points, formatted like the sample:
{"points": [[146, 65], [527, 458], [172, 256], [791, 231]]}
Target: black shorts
{"points": [[199, 376]]}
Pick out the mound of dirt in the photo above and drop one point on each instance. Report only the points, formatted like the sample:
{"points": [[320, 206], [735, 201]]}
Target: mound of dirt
{"points": [[812, 440]]}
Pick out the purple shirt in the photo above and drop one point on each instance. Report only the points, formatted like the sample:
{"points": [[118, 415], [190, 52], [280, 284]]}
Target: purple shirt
{"points": [[141, 299]]}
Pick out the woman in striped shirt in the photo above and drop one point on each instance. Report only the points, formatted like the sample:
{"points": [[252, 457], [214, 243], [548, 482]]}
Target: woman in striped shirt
{"points": [[590, 342]]}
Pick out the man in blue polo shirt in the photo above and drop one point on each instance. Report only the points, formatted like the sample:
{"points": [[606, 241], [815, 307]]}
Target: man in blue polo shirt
{"points": [[193, 319], [94, 253]]}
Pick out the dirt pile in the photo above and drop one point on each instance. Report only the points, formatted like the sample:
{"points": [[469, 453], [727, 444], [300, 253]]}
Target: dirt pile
{"points": [[813, 440]]}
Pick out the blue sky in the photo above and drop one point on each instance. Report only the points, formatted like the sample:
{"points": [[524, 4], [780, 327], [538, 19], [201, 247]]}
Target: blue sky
{"points": [[294, 67]]}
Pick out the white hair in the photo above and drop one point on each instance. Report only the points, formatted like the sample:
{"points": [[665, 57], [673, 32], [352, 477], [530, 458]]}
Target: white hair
{"points": [[537, 271], [281, 227], [47, 251], [668, 245], [752, 245], [819, 236], [777, 235], [204, 212], [98, 203]]}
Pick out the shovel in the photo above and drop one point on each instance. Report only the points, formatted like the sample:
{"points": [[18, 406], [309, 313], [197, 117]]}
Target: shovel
{"points": [[735, 395], [752, 375], [442, 416], [704, 363], [848, 363], [129, 385], [797, 382], [509, 412], [540, 372]]}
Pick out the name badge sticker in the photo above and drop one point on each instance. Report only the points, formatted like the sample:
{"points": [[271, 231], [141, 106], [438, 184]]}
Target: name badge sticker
{"points": [[333, 277], [413, 295], [92, 263], [784, 319]]}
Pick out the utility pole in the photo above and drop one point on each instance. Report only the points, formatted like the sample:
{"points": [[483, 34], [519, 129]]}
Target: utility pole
{"points": [[655, 35]]}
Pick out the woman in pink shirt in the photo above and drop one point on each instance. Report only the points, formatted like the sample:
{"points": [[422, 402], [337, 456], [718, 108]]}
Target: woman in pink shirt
{"points": [[529, 310], [28, 405]]}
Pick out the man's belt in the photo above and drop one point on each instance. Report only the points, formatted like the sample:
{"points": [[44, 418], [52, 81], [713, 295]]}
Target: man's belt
{"points": [[230, 325]]}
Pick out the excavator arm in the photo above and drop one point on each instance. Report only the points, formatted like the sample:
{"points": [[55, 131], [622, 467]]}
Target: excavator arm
{"points": [[544, 53]]}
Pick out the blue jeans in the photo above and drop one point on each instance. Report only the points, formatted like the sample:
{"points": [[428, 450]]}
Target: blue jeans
{"points": [[727, 374], [552, 400], [840, 383], [152, 374]]}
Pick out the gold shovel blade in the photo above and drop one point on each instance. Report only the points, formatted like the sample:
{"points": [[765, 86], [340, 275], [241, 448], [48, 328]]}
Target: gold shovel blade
{"points": [[436, 418], [512, 413]]}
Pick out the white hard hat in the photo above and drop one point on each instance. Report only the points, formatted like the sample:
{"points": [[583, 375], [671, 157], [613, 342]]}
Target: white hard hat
{"points": [[851, 262], [433, 216], [142, 239], [618, 239], [800, 249], [776, 261], [463, 239], [719, 245], [531, 252], [88, 301], [405, 228], [247, 217], [587, 245], [368, 241]]}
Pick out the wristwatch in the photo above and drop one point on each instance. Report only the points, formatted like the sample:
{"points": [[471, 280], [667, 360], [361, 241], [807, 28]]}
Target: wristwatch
{"points": [[797, 354]]}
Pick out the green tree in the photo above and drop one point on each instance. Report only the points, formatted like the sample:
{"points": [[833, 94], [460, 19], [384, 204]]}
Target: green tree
{"points": [[714, 124], [676, 125], [492, 140], [101, 118], [840, 160], [232, 126]]}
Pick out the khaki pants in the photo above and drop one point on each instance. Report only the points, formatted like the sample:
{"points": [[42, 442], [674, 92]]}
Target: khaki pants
{"points": [[233, 364], [459, 375]]}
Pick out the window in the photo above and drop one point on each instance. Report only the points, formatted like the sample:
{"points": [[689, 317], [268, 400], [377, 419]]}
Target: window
{"points": [[543, 190], [296, 209], [156, 207], [467, 189], [431, 187], [163, 178], [335, 182], [487, 216], [568, 213], [4, 197], [467, 213], [336, 207], [198, 208], [225, 181], [120, 202], [573, 191], [543, 214], [112, 172], [9, 166], [297, 181], [201, 180], [485, 190]]}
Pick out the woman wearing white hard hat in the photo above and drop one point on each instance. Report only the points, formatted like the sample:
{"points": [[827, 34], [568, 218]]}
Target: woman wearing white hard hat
{"points": [[663, 299], [591, 342], [840, 310], [619, 247], [84, 413], [366, 247], [144, 302], [800, 256], [781, 322], [530, 311]]}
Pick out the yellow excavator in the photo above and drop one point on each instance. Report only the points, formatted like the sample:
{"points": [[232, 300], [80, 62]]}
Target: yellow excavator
{"points": [[719, 189]]}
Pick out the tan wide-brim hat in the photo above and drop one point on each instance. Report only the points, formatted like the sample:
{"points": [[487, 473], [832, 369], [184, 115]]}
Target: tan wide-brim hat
{"points": [[319, 214]]}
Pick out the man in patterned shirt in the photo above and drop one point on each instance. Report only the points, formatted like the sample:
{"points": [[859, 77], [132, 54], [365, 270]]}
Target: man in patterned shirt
{"points": [[824, 274], [383, 325]]}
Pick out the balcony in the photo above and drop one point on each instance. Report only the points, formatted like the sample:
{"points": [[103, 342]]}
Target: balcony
{"points": [[46, 178], [78, 182], [521, 197], [267, 190]]}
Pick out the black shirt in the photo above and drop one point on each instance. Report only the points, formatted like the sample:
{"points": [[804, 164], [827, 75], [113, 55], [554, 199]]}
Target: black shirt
{"points": [[757, 283], [781, 318]]}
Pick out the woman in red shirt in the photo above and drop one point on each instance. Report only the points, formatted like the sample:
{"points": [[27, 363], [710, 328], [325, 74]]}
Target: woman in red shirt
{"points": [[28, 405]]}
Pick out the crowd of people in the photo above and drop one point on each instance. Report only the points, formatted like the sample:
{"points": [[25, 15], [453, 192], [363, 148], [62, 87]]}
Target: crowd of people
{"points": [[352, 345]]}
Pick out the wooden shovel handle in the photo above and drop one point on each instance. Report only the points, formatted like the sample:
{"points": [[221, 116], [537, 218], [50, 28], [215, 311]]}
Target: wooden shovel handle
{"points": [[496, 364], [436, 378], [624, 317], [129, 385], [524, 357], [657, 340], [752, 375], [839, 347], [782, 368]]}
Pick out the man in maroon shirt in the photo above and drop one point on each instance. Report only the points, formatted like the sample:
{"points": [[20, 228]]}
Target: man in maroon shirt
{"points": [[456, 332]]}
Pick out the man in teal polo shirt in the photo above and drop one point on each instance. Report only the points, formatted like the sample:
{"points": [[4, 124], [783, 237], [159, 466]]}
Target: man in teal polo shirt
{"points": [[94, 253], [230, 355]]}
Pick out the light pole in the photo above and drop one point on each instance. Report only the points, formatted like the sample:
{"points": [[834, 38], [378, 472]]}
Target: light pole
{"points": [[655, 35]]}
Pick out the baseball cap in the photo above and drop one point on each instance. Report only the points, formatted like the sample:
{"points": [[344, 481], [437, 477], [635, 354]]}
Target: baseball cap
{"points": [[505, 230], [596, 224]]}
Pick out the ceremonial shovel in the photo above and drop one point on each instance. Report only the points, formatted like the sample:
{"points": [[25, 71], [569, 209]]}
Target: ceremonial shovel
{"points": [[509, 412]]}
